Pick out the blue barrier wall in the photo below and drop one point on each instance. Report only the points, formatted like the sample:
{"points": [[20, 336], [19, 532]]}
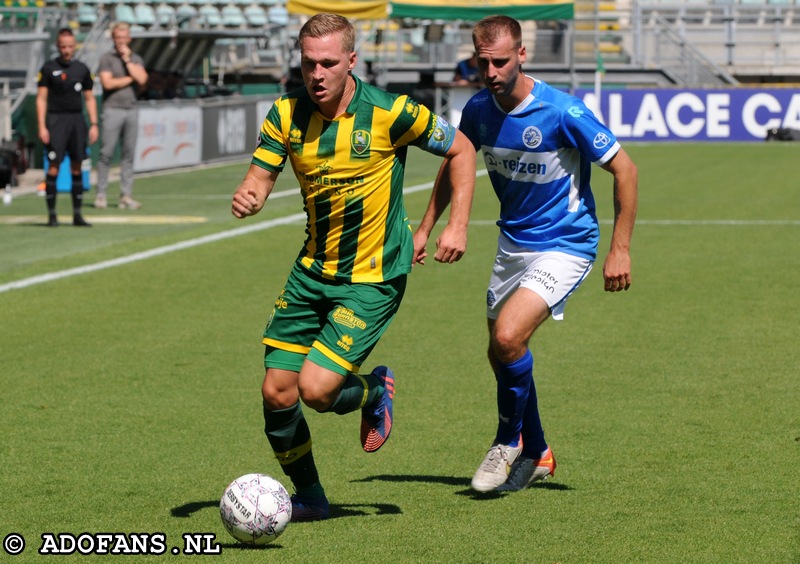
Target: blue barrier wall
{"points": [[742, 114]]}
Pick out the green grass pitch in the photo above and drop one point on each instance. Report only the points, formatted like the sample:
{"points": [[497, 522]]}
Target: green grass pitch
{"points": [[130, 391]]}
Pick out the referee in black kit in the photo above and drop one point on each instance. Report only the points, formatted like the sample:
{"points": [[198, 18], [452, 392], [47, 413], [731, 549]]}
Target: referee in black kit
{"points": [[62, 127]]}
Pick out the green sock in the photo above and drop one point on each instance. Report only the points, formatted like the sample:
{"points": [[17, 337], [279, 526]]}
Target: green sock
{"points": [[314, 490], [357, 392], [290, 439]]}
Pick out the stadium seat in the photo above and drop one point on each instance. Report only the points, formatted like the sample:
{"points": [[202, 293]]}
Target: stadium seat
{"points": [[208, 16], [124, 13], [166, 15], [185, 14], [256, 16], [86, 14], [278, 15], [232, 16], [145, 15]]}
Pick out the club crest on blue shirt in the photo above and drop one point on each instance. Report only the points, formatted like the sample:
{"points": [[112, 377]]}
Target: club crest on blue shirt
{"points": [[532, 137], [360, 141]]}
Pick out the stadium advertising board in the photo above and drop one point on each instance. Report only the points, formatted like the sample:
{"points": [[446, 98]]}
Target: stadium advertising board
{"points": [[230, 130], [169, 137], [695, 115]]}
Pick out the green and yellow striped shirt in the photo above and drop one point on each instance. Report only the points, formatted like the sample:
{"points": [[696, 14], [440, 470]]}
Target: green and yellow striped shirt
{"points": [[350, 171]]}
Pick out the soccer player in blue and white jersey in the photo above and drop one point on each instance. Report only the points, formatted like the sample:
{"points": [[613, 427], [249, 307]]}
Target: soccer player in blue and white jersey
{"points": [[538, 145]]}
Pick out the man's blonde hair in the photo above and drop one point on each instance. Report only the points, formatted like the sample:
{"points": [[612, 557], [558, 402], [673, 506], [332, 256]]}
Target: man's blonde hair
{"points": [[325, 24], [122, 26]]}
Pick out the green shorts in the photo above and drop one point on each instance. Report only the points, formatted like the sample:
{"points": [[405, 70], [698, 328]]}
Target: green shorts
{"points": [[333, 324]]}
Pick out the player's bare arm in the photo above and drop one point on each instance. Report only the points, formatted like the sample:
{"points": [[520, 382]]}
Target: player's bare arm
{"points": [[454, 186], [440, 199], [617, 265], [253, 192]]}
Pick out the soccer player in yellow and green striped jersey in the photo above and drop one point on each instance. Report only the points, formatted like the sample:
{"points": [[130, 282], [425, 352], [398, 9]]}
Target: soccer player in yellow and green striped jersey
{"points": [[347, 142]]}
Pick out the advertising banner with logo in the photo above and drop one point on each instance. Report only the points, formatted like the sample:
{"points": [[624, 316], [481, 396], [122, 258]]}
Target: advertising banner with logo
{"points": [[695, 115], [169, 137], [230, 131]]}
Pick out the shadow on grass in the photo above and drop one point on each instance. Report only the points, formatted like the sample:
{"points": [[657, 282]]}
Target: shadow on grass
{"points": [[446, 480], [496, 495], [337, 510], [186, 510], [458, 481]]}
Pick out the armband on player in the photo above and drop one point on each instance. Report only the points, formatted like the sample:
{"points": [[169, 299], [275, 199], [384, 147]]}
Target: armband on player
{"points": [[441, 136]]}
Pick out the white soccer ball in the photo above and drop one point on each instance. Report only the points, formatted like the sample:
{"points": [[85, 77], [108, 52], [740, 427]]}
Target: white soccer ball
{"points": [[255, 509]]}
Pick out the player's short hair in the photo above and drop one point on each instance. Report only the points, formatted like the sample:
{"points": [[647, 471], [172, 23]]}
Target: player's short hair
{"points": [[325, 24], [65, 31], [490, 28]]}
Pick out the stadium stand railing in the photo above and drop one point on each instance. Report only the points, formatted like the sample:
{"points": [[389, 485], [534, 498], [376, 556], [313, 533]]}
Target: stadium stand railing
{"points": [[647, 42]]}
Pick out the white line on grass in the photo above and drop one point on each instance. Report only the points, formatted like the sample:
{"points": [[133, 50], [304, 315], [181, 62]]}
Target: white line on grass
{"points": [[51, 276], [158, 251], [236, 232]]}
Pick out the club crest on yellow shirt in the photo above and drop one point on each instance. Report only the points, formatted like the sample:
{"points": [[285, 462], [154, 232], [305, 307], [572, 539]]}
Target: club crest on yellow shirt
{"points": [[360, 141]]}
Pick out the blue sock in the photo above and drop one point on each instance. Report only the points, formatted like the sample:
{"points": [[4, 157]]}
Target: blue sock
{"points": [[532, 433], [513, 386]]}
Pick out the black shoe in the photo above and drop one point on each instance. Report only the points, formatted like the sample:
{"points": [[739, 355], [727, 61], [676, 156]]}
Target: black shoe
{"points": [[309, 508], [52, 221], [78, 221]]}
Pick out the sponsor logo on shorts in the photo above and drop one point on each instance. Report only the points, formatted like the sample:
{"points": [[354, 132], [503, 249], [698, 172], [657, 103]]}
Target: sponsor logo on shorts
{"points": [[345, 342], [542, 277], [346, 317], [491, 298]]}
